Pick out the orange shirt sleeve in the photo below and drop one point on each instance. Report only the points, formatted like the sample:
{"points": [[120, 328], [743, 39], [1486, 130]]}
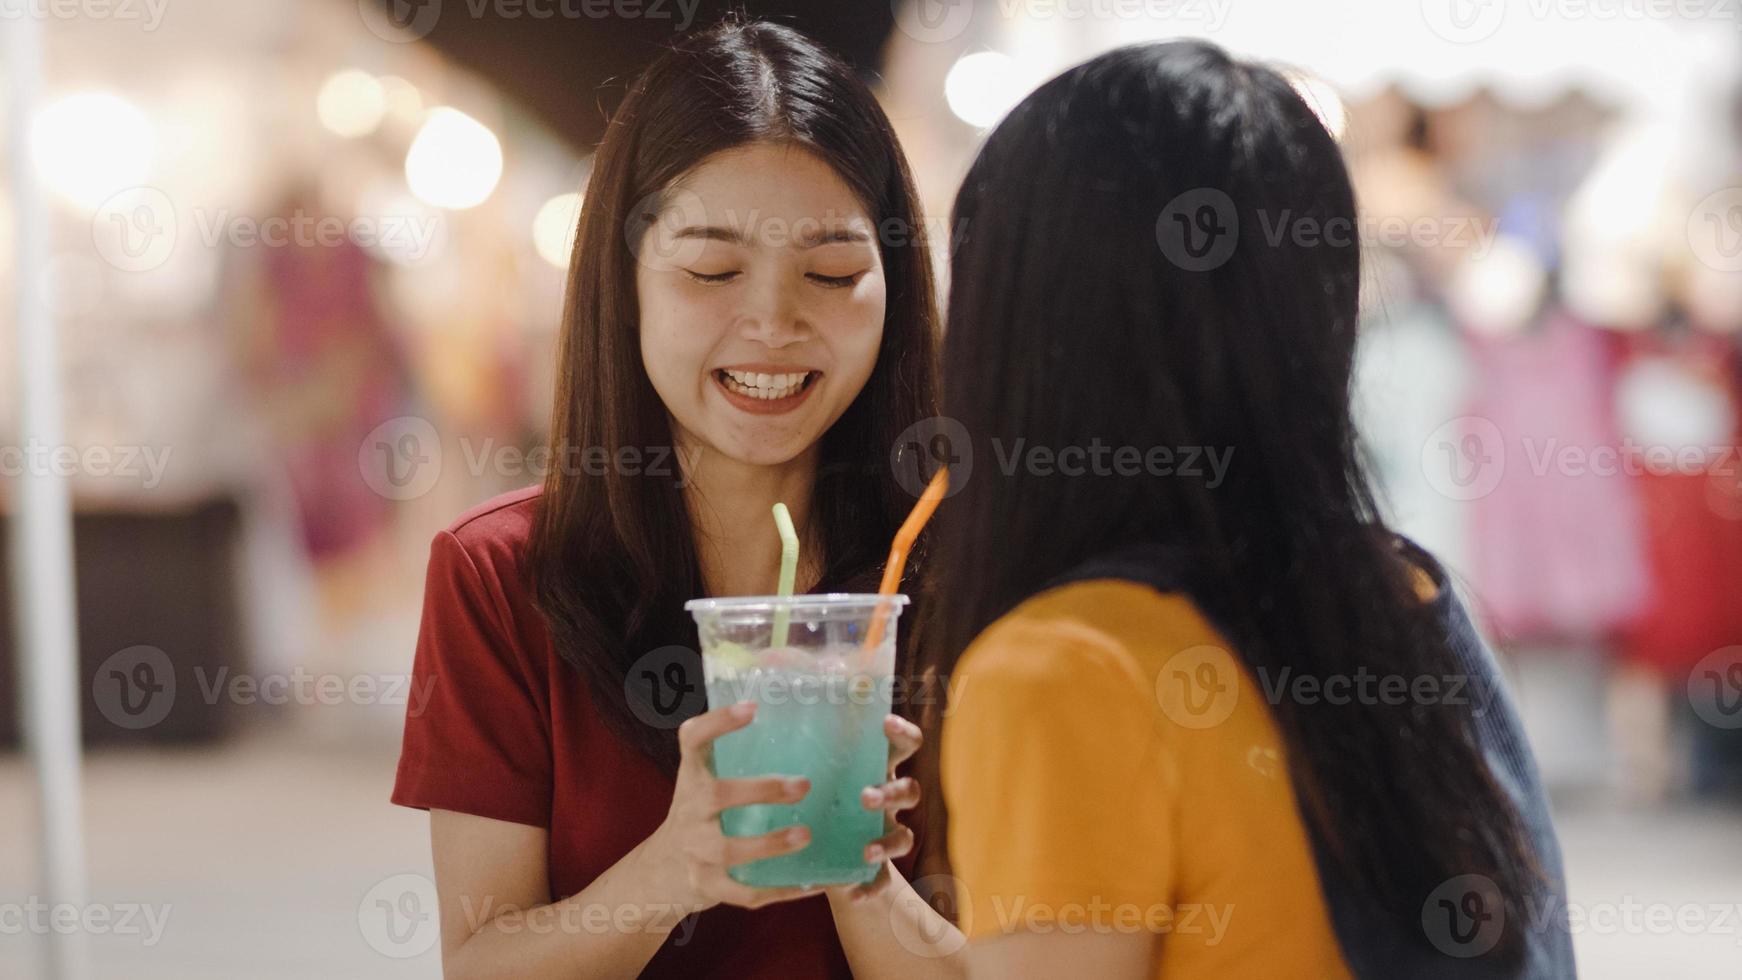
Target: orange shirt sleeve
{"points": [[1057, 784]]}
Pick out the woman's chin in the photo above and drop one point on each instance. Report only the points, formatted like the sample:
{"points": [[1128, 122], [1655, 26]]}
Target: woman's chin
{"points": [[757, 448], [764, 455]]}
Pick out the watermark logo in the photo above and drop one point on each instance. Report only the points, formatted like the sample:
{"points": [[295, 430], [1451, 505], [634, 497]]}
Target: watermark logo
{"points": [[147, 464], [127, 919], [654, 229], [1463, 21], [398, 917], [138, 229], [1464, 458], [673, 463], [1464, 917], [664, 686], [1199, 229], [401, 458], [1715, 688], [400, 21], [135, 688], [1198, 687], [675, 921], [922, 935], [149, 13], [1715, 230], [134, 229], [933, 21], [927, 446]]}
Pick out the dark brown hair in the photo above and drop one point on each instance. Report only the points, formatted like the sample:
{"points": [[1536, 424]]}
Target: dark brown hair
{"points": [[1079, 316], [613, 555]]}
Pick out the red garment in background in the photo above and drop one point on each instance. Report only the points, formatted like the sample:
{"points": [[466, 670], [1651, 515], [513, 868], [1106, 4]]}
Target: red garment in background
{"points": [[1693, 520], [1558, 552], [328, 370]]}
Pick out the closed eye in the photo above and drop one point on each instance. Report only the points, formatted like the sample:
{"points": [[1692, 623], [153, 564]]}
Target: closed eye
{"points": [[715, 278], [834, 282]]}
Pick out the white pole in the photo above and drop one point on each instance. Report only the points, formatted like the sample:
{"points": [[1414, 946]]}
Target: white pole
{"points": [[41, 534]]}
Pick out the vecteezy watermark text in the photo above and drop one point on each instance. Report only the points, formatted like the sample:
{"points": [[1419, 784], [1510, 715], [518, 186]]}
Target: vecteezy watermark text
{"points": [[401, 21], [135, 688], [40, 918], [149, 13], [36, 458], [1100, 459]]}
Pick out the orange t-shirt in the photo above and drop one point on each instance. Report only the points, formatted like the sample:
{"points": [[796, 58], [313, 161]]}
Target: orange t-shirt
{"points": [[1109, 766]]}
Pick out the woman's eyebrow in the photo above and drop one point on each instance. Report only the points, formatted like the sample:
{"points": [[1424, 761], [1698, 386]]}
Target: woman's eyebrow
{"points": [[830, 236], [712, 233], [802, 237]]}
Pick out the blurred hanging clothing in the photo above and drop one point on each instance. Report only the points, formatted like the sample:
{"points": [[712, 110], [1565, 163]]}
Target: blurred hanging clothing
{"points": [[1679, 403], [328, 369], [1559, 549]]}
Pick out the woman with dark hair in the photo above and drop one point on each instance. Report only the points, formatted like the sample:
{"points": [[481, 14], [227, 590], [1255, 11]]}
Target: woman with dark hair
{"points": [[1208, 717], [749, 319]]}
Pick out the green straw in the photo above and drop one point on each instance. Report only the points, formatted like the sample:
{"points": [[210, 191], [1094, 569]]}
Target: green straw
{"points": [[788, 570]]}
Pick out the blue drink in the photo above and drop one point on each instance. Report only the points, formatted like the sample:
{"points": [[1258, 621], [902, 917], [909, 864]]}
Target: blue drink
{"points": [[821, 700]]}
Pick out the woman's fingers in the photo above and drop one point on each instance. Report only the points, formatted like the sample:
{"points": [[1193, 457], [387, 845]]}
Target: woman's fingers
{"points": [[892, 845], [712, 857], [711, 847], [728, 793], [737, 893], [904, 739], [898, 794], [695, 737], [742, 850]]}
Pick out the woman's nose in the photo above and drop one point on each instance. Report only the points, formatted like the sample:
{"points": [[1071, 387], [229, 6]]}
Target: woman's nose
{"points": [[773, 316]]}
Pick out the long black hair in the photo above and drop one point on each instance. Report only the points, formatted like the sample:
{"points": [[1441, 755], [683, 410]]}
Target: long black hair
{"points": [[613, 555], [1120, 278]]}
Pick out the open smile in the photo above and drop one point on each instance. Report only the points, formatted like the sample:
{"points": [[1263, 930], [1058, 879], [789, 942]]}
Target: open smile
{"points": [[765, 392]]}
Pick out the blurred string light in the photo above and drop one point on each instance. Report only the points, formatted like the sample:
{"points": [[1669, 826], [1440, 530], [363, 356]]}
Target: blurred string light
{"points": [[1497, 292], [89, 146], [351, 103], [553, 228], [454, 161], [403, 100], [983, 86]]}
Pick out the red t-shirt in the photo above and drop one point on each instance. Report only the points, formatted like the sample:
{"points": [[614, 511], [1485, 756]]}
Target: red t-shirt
{"points": [[508, 731]]}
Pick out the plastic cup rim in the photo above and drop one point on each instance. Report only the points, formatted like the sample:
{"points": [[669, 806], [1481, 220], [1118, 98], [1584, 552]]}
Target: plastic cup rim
{"points": [[824, 601]]}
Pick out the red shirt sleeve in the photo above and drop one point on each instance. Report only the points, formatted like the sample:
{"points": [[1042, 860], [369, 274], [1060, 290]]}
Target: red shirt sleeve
{"points": [[476, 734]]}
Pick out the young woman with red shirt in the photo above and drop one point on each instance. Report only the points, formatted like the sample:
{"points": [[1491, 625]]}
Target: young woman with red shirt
{"points": [[749, 319]]}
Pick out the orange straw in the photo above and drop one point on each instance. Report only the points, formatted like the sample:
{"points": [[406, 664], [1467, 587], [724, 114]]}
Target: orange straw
{"points": [[904, 538]]}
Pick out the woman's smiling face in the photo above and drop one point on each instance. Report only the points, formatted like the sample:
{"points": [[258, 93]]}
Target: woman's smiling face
{"points": [[762, 295]]}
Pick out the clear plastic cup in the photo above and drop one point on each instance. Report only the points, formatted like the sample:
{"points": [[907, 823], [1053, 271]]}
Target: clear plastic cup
{"points": [[821, 699]]}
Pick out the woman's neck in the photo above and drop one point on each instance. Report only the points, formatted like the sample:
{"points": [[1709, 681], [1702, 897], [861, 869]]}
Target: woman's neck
{"points": [[731, 507]]}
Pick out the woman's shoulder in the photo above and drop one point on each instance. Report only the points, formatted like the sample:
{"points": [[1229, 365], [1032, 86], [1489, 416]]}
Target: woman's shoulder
{"points": [[484, 553], [1107, 629], [1101, 614], [497, 532]]}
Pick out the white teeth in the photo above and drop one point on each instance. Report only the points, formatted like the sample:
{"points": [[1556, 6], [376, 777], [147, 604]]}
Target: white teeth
{"points": [[765, 386]]}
